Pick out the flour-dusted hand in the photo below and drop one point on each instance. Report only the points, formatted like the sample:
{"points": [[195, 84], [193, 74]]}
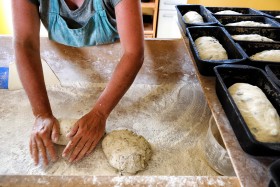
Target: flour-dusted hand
{"points": [[84, 136], [44, 132]]}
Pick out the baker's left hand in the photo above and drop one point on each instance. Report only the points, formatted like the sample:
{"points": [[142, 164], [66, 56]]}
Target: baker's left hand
{"points": [[84, 136]]}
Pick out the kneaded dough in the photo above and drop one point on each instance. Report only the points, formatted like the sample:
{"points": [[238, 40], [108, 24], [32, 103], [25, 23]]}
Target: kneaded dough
{"points": [[209, 48], [257, 111], [126, 151], [225, 12], [65, 127], [267, 55], [193, 17], [251, 37], [249, 24]]}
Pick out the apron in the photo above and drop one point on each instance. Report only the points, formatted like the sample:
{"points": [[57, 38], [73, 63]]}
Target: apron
{"points": [[96, 31]]}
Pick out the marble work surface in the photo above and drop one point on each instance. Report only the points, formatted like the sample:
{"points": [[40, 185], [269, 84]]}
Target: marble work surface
{"points": [[158, 69], [251, 170]]}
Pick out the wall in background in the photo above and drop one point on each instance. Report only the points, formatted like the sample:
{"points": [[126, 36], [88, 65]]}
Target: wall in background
{"points": [[6, 27], [5, 17]]}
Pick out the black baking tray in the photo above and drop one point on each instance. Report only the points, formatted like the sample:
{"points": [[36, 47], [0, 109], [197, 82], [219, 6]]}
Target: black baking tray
{"points": [[271, 14], [242, 10], [272, 33], [227, 75], [207, 17], [205, 67], [274, 170], [251, 48], [225, 19], [273, 72]]}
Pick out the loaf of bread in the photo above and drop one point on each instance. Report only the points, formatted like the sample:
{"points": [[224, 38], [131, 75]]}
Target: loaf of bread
{"points": [[226, 12], [249, 24], [209, 48], [193, 17], [259, 114], [251, 37], [267, 55]]}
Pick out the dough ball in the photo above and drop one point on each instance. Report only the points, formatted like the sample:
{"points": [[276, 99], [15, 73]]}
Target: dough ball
{"points": [[225, 12], [193, 17], [65, 127], [126, 151], [267, 55], [209, 48], [251, 37], [257, 111], [249, 24]]}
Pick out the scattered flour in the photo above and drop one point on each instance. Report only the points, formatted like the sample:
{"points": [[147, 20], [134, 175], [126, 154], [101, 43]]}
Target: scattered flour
{"points": [[172, 117]]}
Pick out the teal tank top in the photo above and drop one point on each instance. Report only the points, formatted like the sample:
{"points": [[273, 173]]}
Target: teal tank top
{"points": [[98, 30]]}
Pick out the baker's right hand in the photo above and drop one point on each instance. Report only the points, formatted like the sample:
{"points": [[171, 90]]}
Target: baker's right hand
{"points": [[45, 131]]}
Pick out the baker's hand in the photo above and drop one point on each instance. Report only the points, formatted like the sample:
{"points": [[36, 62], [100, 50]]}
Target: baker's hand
{"points": [[45, 131], [84, 136]]}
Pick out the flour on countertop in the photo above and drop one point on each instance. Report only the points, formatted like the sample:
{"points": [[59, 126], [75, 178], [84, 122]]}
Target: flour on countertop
{"points": [[172, 117]]}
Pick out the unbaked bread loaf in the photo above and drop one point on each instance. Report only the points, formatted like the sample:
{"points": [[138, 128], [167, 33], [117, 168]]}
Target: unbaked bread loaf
{"points": [[251, 37], [65, 127], [226, 12], [126, 151], [257, 111], [267, 55], [193, 17], [209, 48], [249, 24]]}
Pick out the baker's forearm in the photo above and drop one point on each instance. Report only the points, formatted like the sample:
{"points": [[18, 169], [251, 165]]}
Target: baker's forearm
{"points": [[121, 80], [31, 75]]}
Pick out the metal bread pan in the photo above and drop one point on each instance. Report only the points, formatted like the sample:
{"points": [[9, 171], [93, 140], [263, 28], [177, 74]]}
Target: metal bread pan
{"points": [[225, 19], [274, 170], [272, 33], [205, 67], [243, 11], [227, 75], [271, 14], [183, 9], [273, 72], [251, 48]]}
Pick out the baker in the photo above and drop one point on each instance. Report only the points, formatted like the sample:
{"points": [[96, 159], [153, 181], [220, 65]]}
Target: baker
{"points": [[75, 23]]}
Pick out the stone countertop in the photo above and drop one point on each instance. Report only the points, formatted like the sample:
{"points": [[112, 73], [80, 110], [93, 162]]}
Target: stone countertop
{"points": [[154, 71], [162, 61]]}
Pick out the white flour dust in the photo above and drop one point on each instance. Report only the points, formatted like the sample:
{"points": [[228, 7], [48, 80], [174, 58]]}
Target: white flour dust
{"points": [[172, 117]]}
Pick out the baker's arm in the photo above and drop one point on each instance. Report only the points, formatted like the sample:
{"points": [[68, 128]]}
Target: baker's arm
{"points": [[130, 28], [90, 128], [26, 24]]}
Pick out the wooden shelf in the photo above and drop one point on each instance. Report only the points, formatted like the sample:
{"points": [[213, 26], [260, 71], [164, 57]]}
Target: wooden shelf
{"points": [[150, 5], [148, 28], [150, 23]]}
